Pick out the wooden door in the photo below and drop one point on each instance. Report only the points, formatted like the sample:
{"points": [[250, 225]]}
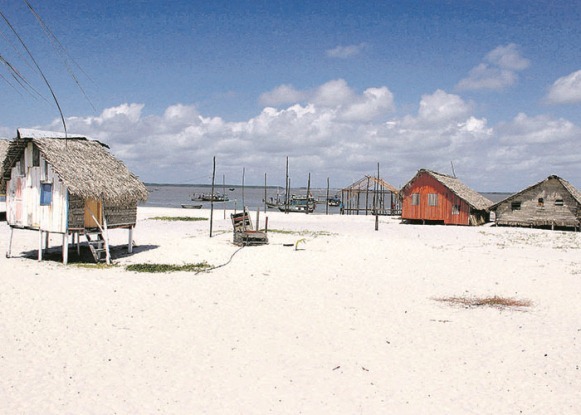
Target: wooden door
{"points": [[93, 210]]}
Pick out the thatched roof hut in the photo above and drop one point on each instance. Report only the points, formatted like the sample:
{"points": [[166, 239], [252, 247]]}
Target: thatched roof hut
{"points": [[437, 197], [69, 185], [86, 167], [551, 202]]}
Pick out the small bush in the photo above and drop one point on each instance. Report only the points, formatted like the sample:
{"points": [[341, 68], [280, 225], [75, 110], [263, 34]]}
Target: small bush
{"points": [[178, 218], [153, 268]]}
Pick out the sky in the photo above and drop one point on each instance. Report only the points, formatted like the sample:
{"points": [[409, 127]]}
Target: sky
{"points": [[487, 90]]}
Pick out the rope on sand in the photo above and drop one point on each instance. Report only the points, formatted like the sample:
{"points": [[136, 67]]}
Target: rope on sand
{"points": [[224, 264]]}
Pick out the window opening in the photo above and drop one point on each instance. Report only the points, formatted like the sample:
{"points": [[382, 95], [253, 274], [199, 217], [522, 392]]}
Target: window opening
{"points": [[432, 199], [45, 194], [415, 199], [515, 205], [35, 156]]}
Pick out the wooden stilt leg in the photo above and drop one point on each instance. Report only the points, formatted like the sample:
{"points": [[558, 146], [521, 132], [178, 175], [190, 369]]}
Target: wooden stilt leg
{"points": [[40, 244], [78, 235], [65, 248], [9, 252], [130, 242]]}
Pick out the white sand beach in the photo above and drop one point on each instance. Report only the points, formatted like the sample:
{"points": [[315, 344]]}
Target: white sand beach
{"points": [[348, 323]]}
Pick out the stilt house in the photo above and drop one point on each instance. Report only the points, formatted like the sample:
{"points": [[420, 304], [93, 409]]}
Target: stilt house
{"points": [[438, 198], [3, 150], [552, 202], [70, 186]]}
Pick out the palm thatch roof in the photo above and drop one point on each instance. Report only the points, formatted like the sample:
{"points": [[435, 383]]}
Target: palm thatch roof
{"points": [[85, 166], [3, 151], [370, 183], [472, 197], [576, 194]]}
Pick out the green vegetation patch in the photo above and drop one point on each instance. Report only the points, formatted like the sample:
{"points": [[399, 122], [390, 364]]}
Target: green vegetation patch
{"points": [[94, 266], [494, 301], [301, 233], [152, 268], [179, 218]]}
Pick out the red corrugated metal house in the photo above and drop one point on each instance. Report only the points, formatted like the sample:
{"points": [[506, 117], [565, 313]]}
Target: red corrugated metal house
{"points": [[431, 197]]}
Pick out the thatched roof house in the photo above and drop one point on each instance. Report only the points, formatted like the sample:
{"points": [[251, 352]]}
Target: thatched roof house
{"points": [[370, 194], [67, 185], [435, 197], [551, 202], [3, 151]]}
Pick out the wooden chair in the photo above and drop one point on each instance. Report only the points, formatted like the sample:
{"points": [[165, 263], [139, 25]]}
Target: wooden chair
{"points": [[244, 233]]}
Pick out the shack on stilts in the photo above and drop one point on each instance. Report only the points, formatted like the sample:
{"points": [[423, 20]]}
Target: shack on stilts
{"points": [[3, 151], [369, 196], [70, 186]]}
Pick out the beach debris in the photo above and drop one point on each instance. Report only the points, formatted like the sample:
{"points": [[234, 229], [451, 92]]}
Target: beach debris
{"points": [[298, 242]]}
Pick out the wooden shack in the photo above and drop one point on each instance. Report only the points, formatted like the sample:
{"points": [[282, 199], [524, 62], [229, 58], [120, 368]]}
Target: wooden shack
{"points": [[370, 195], [70, 186], [552, 202], [3, 151], [431, 197]]}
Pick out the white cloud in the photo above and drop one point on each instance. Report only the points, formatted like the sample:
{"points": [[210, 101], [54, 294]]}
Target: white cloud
{"points": [[334, 93], [507, 57], [541, 129], [566, 90], [283, 94], [374, 102], [344, 52], [498, 72], [130, 111], [441, 106], [341, 134]]}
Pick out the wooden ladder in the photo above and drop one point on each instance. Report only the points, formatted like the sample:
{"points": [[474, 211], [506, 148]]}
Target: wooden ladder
{"points": [[97, 245]]}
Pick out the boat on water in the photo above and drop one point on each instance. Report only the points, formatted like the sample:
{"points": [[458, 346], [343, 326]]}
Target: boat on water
{"points": [[190, 206], [209, 197], [298, 203], [334, 201]]}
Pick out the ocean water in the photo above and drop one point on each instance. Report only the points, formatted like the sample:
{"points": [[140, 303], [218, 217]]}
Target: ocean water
{"points": [[173, 196]]}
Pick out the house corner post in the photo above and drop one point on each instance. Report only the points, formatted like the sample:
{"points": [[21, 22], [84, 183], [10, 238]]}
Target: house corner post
{"points": [[130, 242], [40, 244], [65, 248]]}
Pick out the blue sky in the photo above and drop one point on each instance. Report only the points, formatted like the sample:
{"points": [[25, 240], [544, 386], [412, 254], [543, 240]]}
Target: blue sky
{"points": [[492, 86]]}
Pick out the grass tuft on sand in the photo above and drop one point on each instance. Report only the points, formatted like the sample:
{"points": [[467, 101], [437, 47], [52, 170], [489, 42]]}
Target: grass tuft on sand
{"points": [[494, 301], [179, 218], [156, 268]]}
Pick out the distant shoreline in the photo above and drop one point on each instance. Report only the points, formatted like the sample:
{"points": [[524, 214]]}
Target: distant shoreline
{"points": [[494, 196]]}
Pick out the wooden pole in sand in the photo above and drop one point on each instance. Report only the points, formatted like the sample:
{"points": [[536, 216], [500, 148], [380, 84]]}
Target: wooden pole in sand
{"points": [[243, 203], [327, 199], [264, 194], [224, 194], [375, 202], [287, 190], [308, 194], [212, 195]]}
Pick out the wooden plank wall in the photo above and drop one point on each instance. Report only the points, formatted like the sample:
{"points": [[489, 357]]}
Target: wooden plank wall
{"points": [[531, 214], [23, 197], [424, 185]]}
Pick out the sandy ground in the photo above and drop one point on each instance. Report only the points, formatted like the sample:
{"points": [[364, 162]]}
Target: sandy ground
{"points": [[346, 324]]}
